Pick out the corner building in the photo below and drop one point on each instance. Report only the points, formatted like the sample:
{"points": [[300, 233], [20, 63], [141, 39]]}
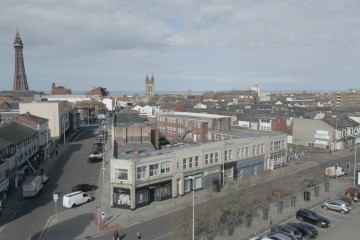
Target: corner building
{"points": [[142, 171]]}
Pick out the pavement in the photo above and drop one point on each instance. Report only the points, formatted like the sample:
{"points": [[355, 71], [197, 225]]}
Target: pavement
{"points": [[117, 218]]}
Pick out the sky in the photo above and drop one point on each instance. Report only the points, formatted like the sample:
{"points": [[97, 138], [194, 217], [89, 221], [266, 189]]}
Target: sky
{"points": [[212, 45]]}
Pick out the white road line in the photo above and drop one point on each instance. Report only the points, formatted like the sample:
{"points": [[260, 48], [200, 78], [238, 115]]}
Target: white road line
{"points": [[339, 220], [163, 236], [44, 228]]}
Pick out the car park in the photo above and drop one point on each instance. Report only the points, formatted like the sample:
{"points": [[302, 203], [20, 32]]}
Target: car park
{"points": [[280, 236], [312, 217], [84, 187], [336, 205], [307, 230], [288, 230]]}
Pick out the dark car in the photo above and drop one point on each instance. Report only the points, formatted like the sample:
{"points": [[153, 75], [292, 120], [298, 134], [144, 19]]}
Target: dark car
{"points": [[280, 236], [308, 182], [95, 159], [84, 187], [288, 230], [308, 231], [312, 217]]}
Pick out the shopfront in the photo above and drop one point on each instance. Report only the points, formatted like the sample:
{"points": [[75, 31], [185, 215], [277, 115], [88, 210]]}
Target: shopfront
{"points": [[249, 168], [188, 181], [278, 160], [121, 197]]}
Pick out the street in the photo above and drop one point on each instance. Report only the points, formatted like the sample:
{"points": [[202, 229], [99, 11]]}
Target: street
{"points": [[29, 220]]}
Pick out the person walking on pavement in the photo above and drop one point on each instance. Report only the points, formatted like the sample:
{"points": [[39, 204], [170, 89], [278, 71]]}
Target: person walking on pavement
{"points": [[116, 236]]}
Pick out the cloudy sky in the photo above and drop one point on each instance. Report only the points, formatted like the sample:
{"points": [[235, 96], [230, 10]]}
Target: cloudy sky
{"points": [[200, 45]]}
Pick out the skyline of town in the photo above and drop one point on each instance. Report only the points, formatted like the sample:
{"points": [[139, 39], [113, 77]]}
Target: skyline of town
{"points": [[202, 46]]}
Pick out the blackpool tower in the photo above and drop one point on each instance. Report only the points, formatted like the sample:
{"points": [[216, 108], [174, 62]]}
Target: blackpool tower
{"points": [[20, 81]]}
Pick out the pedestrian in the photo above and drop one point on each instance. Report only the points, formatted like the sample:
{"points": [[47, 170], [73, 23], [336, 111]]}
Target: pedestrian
{"points": [[138, 235], [116, 235]]}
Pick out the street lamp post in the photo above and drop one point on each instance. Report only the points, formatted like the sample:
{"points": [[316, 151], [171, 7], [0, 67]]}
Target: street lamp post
{"points": [[223, 162], [193, 206], [64, 127], [355, 164], [103, 165], [98, 212]]}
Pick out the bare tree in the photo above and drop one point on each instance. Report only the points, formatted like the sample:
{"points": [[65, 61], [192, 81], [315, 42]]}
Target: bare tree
{"points": [[209, 223], [232, 210], [182, 222]]}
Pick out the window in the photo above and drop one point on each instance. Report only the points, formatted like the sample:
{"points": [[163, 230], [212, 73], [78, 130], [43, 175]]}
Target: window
{"points": [[184, 163], [196, 161], [121, 174], [190, 162], [211, 157], [154, 170], [165, 167], [206, 159], [216, 157], [141, 172]]}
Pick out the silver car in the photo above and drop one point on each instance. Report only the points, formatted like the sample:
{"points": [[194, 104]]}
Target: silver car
{"points": [[337, 205]]}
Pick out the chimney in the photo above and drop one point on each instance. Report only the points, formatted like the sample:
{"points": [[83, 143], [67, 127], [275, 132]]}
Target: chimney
{"points": [[136, 147], [123, 148]]}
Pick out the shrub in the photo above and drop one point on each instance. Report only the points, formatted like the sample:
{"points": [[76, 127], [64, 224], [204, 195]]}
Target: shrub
{"points": [[345, 198]]}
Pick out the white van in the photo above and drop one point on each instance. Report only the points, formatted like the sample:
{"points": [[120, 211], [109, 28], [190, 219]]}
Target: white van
{"points": [[76, 198]]}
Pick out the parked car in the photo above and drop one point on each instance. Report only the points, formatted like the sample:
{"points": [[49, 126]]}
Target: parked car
{"points": [[308, 182], [277, 192], [95, 159], [337, 205], [308, 231], [96, 154], [83, 187], [312, 217], [261, 238], [280, 236], [288, 230], [352, 191], [102, 132], [75, 199]]}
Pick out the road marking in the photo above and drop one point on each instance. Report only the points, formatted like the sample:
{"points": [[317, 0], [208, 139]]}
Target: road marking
{"points": [[163, 236], [44, 228], [339, 220]]}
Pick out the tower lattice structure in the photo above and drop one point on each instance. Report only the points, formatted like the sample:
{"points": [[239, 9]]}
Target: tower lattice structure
{"points": [[20, 81]]}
